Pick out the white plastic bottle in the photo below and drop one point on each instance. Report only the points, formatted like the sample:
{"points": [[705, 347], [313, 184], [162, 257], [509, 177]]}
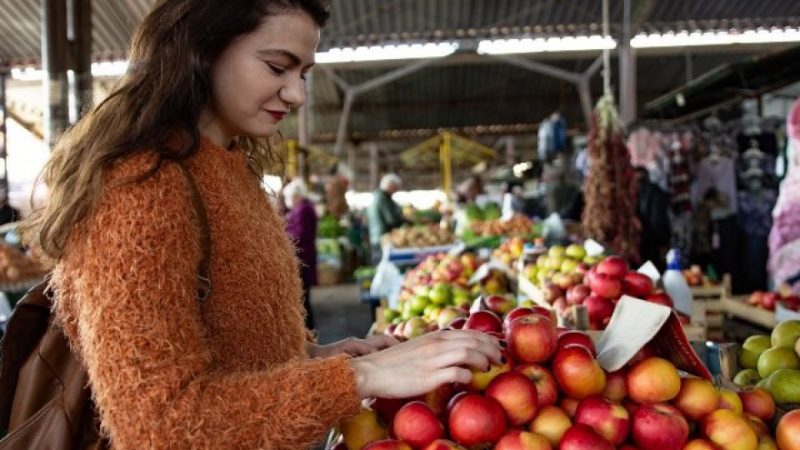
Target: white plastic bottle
{"points": [[675, 284]]}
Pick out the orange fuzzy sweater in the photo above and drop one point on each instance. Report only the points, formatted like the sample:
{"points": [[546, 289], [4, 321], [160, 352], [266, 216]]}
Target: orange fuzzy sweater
{"points": [[171, 373]]}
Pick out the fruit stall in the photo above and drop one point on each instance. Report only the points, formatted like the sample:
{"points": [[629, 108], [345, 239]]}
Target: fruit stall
{"points": [[598, 356]]}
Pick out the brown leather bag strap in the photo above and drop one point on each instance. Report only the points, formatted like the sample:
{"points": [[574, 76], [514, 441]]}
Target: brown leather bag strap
{"points": [[204, 288]]}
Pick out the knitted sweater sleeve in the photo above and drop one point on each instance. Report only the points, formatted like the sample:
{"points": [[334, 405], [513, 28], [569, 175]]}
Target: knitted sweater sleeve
{"points": [[140, 333]]}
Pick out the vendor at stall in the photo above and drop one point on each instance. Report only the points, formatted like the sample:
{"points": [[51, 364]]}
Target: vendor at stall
{"points": [[384, 214], [301, 224]]}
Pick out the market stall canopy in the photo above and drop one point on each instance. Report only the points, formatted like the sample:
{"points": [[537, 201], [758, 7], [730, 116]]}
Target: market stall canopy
{"points": [[464, 152], [728, 84]]}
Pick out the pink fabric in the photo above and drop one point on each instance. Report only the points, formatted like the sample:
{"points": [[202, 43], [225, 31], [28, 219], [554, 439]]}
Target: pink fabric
{"points": [[793, 121], [784, 239]]}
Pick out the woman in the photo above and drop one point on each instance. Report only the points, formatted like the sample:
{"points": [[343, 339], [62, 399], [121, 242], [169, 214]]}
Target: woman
{"points": [[208, 81], [301, 224]]}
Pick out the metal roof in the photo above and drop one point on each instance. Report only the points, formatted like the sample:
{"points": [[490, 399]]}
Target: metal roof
{"points": [[358, 22]]}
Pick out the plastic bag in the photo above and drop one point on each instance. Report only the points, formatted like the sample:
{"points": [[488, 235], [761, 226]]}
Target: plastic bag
{"points": [[387, 283]]}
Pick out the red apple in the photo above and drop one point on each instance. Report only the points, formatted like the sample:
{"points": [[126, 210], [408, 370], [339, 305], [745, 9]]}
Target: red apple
{"points": [[477, 420], [544, 312], [600, 311], [485, 321], [605, 286], [517, 395], [576, 337], [499, 304], [583, 437], [570, 406], [576, 294], [458, 323], [546, 387], [552, 291], [551, 422], [758, 402], [637, 285], [560, 307], [448, 315], [613, 266], [609, 419], [522, 440], [443, 444], [653, 380], [578, 374], [755, 298], [417, 424], [532, 339], [615, 386], [729, 431], [388, 444], [659, 427], [696, 398], [769, 301], [627, 447], [515, 313], [788, 432], [661, 298]]}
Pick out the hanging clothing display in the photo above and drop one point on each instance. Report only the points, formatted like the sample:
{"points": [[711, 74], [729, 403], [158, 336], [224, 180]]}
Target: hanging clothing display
{"points": [[784, 239], [718, 172], [679, 179], [755, 221]]}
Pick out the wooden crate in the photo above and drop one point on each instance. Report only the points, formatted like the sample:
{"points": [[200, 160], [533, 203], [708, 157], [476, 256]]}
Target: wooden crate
{"points": [[711, 299], [737, 307]]}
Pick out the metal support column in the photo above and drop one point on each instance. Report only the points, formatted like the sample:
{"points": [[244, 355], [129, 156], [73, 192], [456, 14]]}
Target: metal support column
{"points": [[54, 66], [3, 134], [511, 152], [374, 168], [351, 163], [79, 36]]}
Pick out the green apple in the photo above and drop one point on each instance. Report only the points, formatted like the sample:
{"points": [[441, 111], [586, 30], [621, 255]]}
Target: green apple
{"points": [[569, 266], [408, 310], [786, 334], [527, 303], [752, 348], [430, 310], [746, 377], [784, 386], [576, 251], [557, 251], [441, 294], [422, 290], [777, 358], [592, 260], [390, 314], [419, 303], [541, 261]]}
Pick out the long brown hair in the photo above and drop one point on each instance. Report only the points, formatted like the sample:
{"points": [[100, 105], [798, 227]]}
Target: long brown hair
{"points": [[162, 95]]}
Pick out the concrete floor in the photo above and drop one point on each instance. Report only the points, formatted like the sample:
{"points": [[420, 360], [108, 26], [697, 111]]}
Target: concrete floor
{"points": [[339, 313]]}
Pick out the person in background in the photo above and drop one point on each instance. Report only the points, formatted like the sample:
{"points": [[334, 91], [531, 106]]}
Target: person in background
{"points": [[8, 213], [301, 224], [652, 207], [384, 214]]}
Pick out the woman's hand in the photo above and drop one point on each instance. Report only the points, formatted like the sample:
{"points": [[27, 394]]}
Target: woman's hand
{"points": [[352, 346], [425, 363]]}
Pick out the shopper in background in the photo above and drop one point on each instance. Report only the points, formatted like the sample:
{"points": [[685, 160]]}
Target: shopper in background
{"points": [[653, 211], [8, 213], [384, 214], [208, 83], [301, 224]]}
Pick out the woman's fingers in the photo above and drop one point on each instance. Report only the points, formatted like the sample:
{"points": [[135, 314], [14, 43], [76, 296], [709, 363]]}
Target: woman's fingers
{"points": [[381, 341]]}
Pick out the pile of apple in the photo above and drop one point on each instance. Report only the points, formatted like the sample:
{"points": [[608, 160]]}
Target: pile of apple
{"points": [[695, 277], [509, 251], [769, 300], [602, 288], [561, 268], [550, 392], [773, 363]]}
